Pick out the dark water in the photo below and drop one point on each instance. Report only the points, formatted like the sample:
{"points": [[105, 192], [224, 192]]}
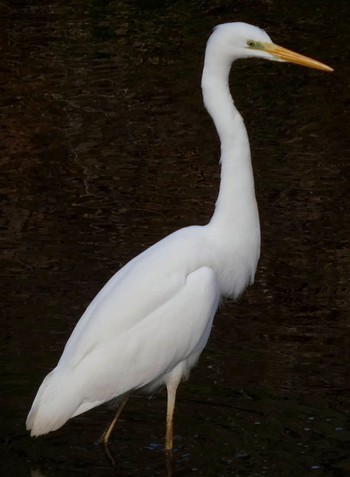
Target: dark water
{"points": [[105, 149]]}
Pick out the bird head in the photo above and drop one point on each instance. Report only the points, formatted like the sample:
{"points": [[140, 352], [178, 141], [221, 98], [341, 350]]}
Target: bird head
{"points": [[241, 40]]}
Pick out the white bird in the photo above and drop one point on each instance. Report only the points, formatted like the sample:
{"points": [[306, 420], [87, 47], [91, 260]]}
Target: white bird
{"points": [[149, 324]]}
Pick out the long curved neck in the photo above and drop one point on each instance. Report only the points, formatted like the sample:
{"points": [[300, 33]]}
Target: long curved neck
{"points": [[236, 200]]}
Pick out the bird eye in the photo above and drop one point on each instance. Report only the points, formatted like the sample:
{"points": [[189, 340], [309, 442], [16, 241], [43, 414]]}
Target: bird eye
{"points": [[250, 43]]}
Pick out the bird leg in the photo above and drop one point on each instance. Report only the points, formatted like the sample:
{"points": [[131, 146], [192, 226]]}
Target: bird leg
{"points": [[171, 390], [106, 435]]}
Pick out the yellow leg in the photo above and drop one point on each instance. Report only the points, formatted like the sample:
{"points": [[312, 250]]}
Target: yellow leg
{"points": [[171, 390], [106, 435]]}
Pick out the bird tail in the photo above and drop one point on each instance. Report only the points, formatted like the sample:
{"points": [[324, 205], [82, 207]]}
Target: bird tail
{"points": [[53, 405]]}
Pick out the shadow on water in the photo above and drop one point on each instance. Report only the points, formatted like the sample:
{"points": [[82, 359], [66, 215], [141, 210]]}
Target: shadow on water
{"points": [[107, 148]]}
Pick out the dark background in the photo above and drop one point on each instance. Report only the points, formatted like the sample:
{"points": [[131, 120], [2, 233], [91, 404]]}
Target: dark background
{"points": [[105, 149]]}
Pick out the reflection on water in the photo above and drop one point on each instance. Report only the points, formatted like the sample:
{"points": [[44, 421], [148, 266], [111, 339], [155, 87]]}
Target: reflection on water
{"points": [[107, 148]]}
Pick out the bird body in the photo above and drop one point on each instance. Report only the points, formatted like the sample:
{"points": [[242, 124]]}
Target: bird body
{"points": [[165, 298], [150, 322]]}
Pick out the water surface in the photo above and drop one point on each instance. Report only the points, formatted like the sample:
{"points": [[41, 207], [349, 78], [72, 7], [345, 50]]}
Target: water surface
{"points": [[107, 148]]}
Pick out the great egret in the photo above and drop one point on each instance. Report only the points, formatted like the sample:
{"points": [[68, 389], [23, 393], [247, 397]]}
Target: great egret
{"points": [[150, 322]]}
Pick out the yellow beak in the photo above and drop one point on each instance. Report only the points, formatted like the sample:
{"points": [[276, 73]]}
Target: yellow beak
{"points": [[291, 57]]}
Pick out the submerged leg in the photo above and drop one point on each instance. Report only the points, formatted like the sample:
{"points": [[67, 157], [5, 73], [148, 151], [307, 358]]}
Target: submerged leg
{"points": [[106, 435], [171, 390]]}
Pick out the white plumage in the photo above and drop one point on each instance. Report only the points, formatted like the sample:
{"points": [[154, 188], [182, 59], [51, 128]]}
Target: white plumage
{"points": [[150, 322]]}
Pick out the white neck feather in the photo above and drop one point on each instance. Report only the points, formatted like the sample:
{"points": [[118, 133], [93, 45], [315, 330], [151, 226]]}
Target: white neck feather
{"points": [[235, 223]]}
